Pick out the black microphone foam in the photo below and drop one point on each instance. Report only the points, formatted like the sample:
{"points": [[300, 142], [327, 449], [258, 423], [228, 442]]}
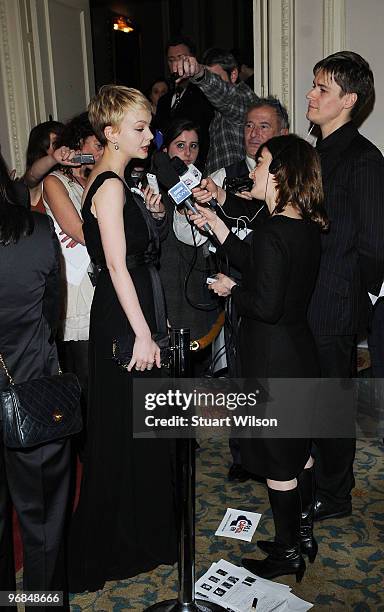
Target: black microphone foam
{"points": [[163, 170], [168, 177], [179, 166]]}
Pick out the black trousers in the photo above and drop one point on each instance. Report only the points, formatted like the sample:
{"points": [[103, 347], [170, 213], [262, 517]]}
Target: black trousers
{"points": [[335, 457], [36, 482], [7, 566]]}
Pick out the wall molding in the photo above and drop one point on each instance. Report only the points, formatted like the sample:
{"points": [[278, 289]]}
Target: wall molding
{"points": [[9, 58], [334, 26], [260, 47], [274, 48], [287, 56], [281, 18]]}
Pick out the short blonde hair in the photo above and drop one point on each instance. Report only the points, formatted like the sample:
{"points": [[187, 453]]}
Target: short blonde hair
{"points": [[109, 106]]}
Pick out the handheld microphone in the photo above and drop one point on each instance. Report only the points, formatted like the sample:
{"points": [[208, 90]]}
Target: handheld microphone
{"points": [[177, 189], [191, 176]]}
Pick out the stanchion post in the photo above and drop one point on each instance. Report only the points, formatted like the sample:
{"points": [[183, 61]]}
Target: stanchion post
{"points": [[185, 483]]}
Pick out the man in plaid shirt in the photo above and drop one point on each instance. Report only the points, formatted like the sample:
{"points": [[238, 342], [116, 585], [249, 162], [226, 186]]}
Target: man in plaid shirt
{"points": [[217, 78]]}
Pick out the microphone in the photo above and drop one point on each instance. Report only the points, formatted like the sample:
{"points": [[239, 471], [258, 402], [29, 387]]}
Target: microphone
{"points": [[177, 189], [191, 176]]}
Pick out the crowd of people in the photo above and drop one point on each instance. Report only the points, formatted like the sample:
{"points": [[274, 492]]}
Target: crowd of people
{"points": [[90, 253]]}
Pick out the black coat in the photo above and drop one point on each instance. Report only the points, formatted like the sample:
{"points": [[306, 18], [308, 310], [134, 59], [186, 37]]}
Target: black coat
{"points": [[35, 480], [279, 270], [30, 302]]}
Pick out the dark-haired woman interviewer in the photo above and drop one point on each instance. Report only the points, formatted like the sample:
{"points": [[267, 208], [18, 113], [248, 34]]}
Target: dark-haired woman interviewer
{"points": [[34, 481], [279, 270], [185, 262]]}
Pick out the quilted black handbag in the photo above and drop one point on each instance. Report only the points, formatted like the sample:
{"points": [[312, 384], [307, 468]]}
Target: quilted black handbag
{"points": [[40, 410]]}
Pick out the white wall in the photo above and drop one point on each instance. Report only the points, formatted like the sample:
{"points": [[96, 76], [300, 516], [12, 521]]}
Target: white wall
{"points": [[308, 50], [46, 68], [364, 34], [313, 29]]}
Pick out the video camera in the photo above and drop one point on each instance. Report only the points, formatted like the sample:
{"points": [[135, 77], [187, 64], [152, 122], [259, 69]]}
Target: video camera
{"points": [[238, 184]]}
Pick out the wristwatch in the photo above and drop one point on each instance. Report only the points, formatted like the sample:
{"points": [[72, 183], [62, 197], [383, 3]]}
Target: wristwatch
{"points": [[233, 288]]}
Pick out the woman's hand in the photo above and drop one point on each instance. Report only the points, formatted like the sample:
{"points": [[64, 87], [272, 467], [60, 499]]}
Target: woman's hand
{"points": [[208, 190], [153, 202], [63, 156], [246, 195], [223, 285], [145, 355], [206, 215]]}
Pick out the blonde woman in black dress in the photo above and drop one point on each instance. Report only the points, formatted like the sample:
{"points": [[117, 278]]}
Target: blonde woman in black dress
{"points": [[125, 521], [279, 270]]}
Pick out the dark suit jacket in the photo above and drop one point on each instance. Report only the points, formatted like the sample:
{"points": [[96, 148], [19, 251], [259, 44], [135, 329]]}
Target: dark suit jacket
{"points": [[352, 260], [193, 106], [30, 302]]}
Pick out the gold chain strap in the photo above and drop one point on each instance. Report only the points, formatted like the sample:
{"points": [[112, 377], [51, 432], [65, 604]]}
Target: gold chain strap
{"points": [[11, 381]]}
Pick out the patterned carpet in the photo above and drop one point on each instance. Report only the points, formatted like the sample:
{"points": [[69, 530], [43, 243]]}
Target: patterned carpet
{"points": [[348, 573]]}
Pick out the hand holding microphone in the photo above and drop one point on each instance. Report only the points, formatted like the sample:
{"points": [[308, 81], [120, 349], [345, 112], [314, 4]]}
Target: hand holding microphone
{"points": [[202, 216], [208, 191], [205, 216], [177, 190]]}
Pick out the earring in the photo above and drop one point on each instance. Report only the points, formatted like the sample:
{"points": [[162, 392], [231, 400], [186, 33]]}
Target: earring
{"points": [[116, 146]]}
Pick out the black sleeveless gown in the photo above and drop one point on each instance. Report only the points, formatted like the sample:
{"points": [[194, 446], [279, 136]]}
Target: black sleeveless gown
{"points": [[125, 520]]}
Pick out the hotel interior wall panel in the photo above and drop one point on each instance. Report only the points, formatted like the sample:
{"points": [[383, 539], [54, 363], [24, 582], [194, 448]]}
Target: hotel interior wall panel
{"points": [[364, 34], [308, 50]]}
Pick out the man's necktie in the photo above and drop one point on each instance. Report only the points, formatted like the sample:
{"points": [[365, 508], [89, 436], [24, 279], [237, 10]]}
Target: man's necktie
{"points": [[177, 99]]}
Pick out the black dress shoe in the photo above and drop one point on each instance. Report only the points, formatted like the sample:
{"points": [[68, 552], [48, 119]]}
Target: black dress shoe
{"points": [[327, 510], [237, 472]]}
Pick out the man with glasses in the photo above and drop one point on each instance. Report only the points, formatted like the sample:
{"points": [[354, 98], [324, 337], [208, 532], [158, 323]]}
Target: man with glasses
{"points": [[265, 119]]}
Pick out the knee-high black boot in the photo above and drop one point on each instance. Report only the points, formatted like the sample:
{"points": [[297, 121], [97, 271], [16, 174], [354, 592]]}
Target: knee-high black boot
{"points": [[285, 556], [306, 482], [308, 544]]}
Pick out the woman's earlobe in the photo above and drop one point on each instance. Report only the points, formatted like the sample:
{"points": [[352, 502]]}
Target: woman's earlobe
{"points": [[108, 133]]}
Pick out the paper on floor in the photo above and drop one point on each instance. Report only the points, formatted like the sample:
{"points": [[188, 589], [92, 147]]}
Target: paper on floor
{"points": [[239, 524], [235, 589]]}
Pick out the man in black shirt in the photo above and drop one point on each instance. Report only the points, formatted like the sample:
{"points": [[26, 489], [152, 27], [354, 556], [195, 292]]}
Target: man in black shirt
{"points": [[352, 252], [185, 100]]}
